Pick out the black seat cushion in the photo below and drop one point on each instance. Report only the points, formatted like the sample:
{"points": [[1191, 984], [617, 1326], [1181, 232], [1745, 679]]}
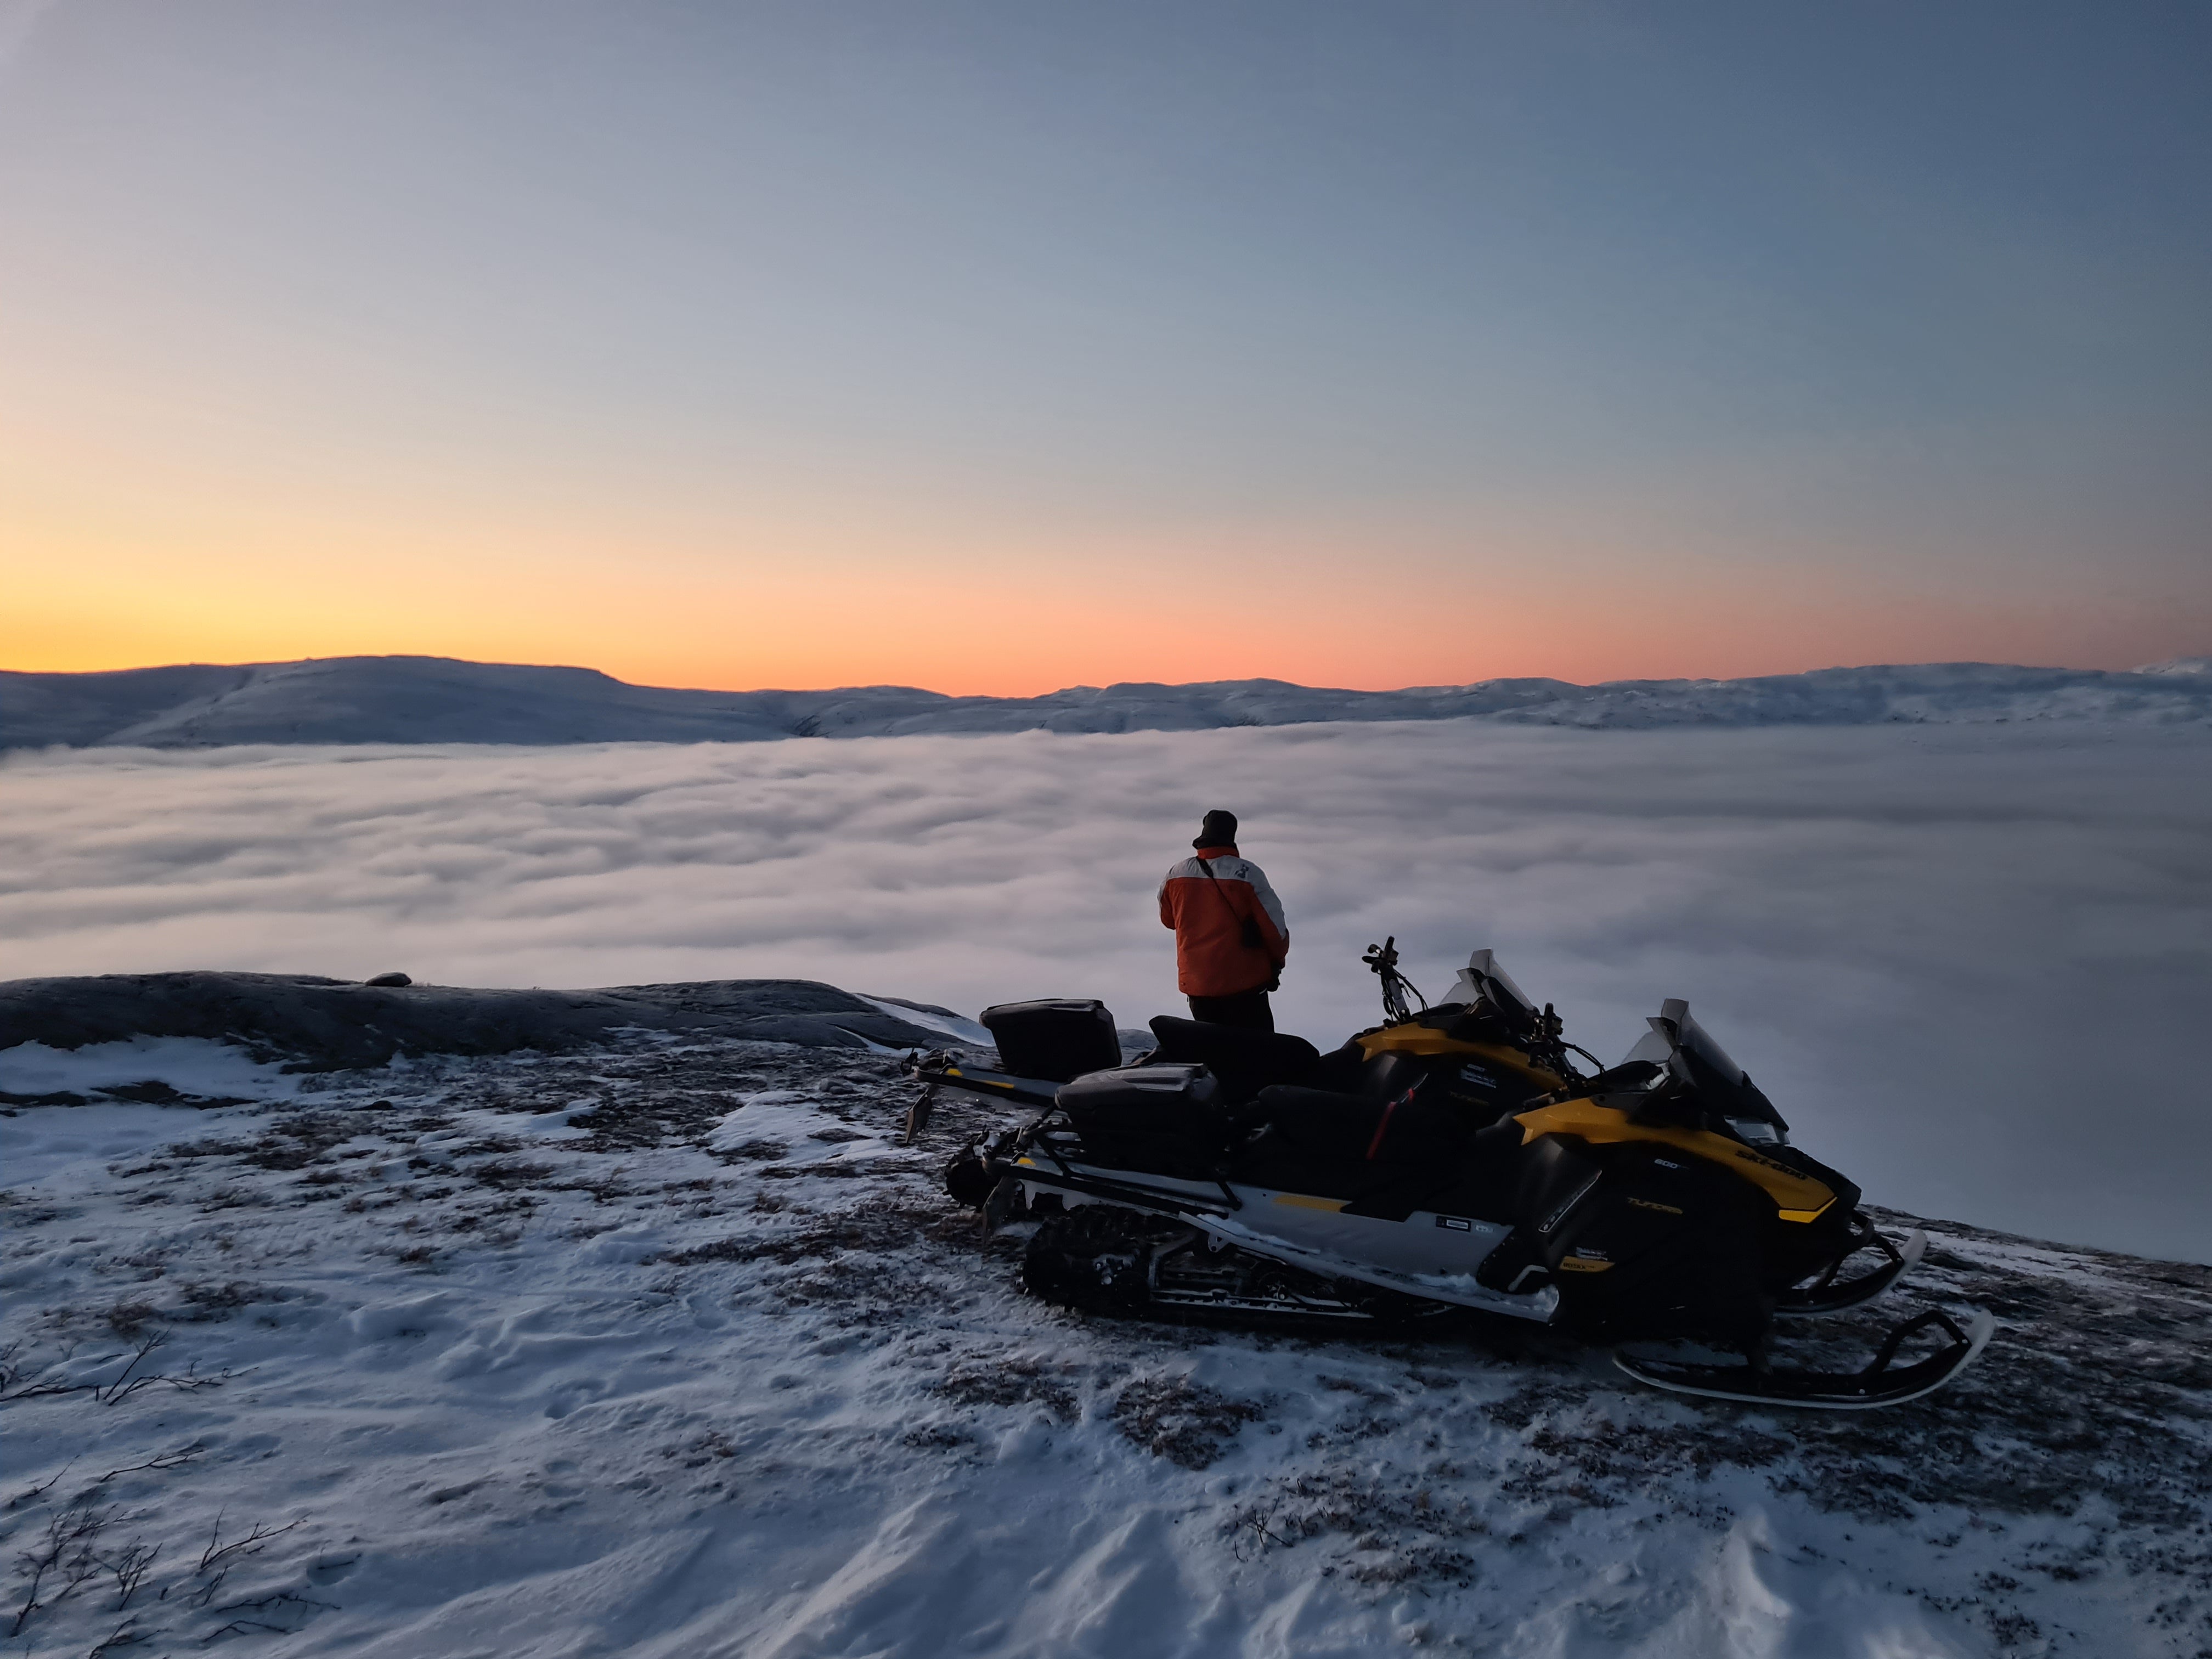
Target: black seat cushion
{"points": [[1331, 1127], [1246, 1061]]}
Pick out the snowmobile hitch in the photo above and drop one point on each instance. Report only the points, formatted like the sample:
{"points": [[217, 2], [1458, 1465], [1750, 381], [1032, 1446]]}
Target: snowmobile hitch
{"points": [[942, 1069], [917, 1115]]}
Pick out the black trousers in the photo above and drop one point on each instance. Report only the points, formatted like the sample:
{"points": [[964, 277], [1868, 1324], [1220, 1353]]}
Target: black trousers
{"points": [[1247, 1008]]}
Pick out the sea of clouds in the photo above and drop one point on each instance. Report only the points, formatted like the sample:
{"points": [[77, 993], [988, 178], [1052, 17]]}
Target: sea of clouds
{"points": [[1972, 965]]}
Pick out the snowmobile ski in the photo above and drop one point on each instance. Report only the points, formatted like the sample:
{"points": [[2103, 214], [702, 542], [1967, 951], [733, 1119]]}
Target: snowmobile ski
{"points": [[1881, 1383], [1830, 1294]]}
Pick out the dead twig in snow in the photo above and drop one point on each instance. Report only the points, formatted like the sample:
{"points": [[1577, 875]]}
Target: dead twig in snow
{"points": [[116, 1390], [122, 1386], [41, 1390], [130, 1570], [264, 1604], [31, 1494], [257, 1535], [66, 1552], [123, 1634], [167, 1460]]}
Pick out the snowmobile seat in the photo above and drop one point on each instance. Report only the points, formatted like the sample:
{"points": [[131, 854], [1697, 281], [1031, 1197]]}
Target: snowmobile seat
{"points": [[1160, 1119], [1330, 1127], [1245, 1061], [1056, 1040], [1386, 1156]]}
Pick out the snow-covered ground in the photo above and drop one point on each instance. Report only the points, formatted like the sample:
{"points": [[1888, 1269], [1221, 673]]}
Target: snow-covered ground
{"points": [[436, 700], [671, 1349]]}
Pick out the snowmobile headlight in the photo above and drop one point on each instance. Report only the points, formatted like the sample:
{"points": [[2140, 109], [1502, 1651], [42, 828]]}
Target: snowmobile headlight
{"points": [[1758, 1132]]}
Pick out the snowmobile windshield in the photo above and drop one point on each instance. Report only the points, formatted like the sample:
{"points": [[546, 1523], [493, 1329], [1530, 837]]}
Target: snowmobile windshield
{"points": [[1692, 1056], [1692, 1036], [1484, 979]]}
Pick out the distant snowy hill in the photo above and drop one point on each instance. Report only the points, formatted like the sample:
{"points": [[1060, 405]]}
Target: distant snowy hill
{"points": [[437, 699]]}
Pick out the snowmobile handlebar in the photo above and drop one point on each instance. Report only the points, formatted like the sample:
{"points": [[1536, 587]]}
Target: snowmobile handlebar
{"points": [[1382, 960]]}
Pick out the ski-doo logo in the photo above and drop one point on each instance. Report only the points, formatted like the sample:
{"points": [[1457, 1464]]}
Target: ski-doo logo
{"points": [[1744, 1157], [1458, 1224]]}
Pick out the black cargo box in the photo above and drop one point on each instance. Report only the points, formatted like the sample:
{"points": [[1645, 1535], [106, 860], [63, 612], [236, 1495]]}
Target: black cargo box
{"points": [[1054, 1040], [1167, 1118]]}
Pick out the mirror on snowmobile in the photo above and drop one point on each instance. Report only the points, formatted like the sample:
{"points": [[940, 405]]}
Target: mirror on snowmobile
{"points": [[1484, 980]]}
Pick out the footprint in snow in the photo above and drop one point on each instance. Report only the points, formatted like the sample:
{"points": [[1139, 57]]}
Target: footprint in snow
{"points": [[569, 1395]]}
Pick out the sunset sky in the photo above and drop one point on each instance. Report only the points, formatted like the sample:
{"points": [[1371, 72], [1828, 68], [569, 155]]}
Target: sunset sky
{"points": [[1003, 347]]}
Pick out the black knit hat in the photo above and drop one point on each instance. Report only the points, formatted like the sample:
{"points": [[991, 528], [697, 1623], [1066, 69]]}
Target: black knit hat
{"points": [[1219, 829]]}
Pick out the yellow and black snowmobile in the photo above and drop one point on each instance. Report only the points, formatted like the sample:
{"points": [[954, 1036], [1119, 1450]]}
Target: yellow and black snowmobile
{"points": [[1451, 1160]]}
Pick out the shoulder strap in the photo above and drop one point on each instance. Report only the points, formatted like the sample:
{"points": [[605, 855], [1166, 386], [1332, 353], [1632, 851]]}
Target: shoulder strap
{"points": [[1249, 928]]}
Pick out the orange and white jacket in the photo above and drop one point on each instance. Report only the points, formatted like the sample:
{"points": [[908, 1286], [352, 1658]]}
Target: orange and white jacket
{"points": [[1208, 912]]}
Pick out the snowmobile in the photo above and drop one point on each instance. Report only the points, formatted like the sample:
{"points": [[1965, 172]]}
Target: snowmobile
{"points": [[1452, 1161]]}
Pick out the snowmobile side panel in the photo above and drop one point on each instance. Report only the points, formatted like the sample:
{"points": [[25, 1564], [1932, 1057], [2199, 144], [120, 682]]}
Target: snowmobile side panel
{"points": [[1648, 1244], [1428, 1255], [1105, 1259], [1797, 1197], [1881, 1383], [1425, 1041], [1077, 1182]]}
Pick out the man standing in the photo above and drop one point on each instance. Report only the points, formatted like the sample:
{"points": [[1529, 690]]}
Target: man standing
{"points": [[1231, 938]]}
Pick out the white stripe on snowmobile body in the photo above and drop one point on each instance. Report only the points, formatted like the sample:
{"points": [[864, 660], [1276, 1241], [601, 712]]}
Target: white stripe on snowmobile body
{"points": [[1427, 1255]]}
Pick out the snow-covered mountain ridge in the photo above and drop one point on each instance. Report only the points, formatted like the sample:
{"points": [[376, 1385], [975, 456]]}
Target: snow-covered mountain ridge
{"points": [[343, 700]]}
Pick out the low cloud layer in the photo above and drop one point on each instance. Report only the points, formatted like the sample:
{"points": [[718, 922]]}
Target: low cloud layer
{"points": [[1970, 964]]}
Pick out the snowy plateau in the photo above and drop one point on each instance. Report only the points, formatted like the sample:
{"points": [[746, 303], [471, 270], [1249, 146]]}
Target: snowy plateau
{"points": [[664, 1344], [437, 699]]}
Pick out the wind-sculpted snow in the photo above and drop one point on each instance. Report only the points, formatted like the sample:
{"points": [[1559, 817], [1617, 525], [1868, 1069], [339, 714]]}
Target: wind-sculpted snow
{"points": [[435, 699], [1970, 964], [671, 1349]]}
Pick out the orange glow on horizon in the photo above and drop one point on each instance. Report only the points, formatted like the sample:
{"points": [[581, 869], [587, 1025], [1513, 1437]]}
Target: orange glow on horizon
{"points": [[969, 638], [175, 569]]}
